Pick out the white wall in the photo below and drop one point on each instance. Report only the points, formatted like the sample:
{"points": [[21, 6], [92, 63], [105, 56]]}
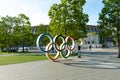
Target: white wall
{"points": [[94, 38]]}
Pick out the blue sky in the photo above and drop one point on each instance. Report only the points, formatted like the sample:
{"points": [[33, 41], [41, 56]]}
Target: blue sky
{"points": [[37, 10], [93, 8]]}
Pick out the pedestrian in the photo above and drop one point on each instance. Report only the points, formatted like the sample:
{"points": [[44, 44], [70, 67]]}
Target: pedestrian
{"points": [[79, 51], [90, 47]]}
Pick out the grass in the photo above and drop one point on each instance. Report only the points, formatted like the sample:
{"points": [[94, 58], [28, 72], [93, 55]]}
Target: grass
{"points": [[4, 60], [14, 58]]}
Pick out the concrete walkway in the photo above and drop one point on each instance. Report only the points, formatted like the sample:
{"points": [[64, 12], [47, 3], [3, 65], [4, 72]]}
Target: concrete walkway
{"points": [[73, 68]]}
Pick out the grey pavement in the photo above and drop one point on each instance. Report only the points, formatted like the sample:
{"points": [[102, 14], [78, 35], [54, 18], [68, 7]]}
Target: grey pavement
{"points": [[73, 68]]}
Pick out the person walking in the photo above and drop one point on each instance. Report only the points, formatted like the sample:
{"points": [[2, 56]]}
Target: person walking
{"points": [[79, 51], [90, 47]]}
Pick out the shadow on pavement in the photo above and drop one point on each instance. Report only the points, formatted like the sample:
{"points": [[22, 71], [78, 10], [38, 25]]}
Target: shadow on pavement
{"points": [[92, 63]]}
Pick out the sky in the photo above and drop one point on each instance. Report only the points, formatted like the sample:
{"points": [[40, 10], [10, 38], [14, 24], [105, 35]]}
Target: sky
{"points": [[37, 10]]}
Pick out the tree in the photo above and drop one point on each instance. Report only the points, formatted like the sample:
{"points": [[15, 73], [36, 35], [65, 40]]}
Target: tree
{"points": [[109, 20], [67, 18], [6, 29], [15, 31], [22, 30], [42, 29]]}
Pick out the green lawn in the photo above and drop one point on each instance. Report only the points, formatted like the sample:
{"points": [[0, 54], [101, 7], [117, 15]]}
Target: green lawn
{"points": [[14, 58], [4, 60]]}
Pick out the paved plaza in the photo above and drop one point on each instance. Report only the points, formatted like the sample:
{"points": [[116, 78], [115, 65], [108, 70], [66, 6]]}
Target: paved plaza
{"points": [[94, 65]]}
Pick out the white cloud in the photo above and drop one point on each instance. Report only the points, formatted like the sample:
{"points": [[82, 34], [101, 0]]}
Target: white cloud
{"points": [[37, 11], [36, 14], [39, 18]]}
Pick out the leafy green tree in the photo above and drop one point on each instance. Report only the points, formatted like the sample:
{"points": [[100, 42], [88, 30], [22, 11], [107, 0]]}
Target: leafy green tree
{"points": [[15, 31], [42, 29], [22, 30], [109, 20], [67, 18], [6, 29]]}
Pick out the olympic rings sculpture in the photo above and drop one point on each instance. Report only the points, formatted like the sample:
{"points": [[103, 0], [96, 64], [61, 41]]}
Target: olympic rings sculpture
{"points": [[54, 44]]}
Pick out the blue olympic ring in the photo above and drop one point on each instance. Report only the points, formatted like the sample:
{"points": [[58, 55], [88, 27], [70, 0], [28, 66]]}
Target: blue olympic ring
{"points": [[40, 37]]}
